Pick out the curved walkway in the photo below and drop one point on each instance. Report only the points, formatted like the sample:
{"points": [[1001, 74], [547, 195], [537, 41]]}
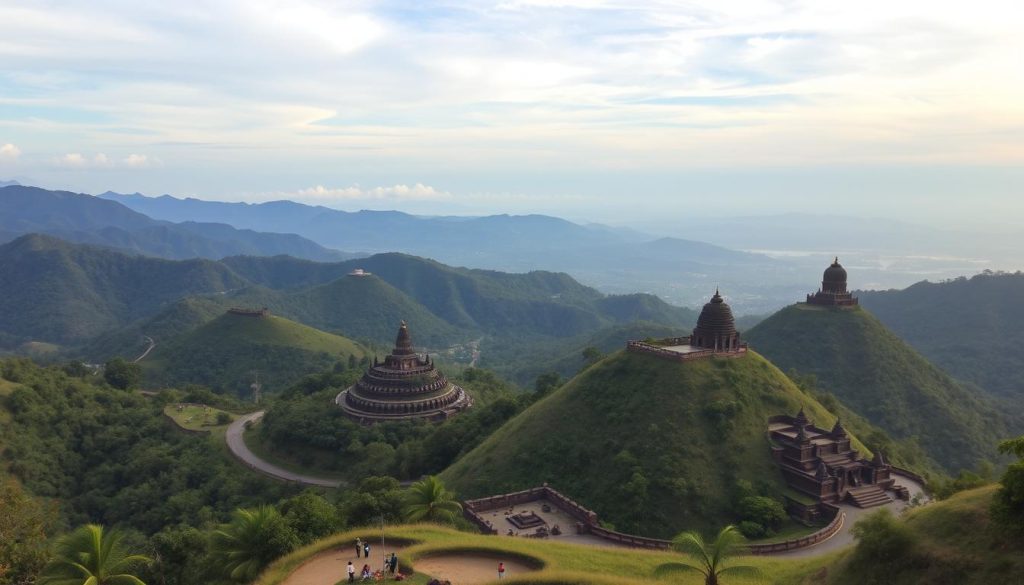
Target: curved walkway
{"points": [[844, 537], [238, 448]]}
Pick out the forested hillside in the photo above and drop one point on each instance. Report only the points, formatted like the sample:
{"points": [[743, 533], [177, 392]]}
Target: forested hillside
{"points": [[879, 377], [654, 446], [232, 351], [971, 327], [63, 293]]}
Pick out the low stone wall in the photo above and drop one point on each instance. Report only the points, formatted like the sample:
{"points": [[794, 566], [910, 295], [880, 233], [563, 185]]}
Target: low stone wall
{"points": [[811, 539], [631, 539], [910, 474], [588, 521], [651, 349]]}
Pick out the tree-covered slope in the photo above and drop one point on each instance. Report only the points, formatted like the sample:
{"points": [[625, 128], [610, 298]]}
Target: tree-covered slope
{"points": [[224, 353], [652, 445], [973, 328], [952, 542], [63, 293], [881, 378], [499, 303]]}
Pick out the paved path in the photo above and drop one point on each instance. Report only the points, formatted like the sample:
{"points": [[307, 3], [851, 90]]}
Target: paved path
{"points": [[844, 537], [236, 443]]}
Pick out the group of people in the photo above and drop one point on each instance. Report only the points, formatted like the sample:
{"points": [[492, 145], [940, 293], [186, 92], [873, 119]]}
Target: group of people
{"points": [[390, 566], [366, 574]]}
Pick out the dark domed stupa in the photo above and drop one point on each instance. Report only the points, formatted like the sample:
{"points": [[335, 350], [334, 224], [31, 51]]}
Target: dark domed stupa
{"points": [[833, 291], [405, 386], [716, 328]]}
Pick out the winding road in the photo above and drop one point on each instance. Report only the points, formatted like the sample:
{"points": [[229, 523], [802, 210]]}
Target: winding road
{"points": [[238, 448], [842, 538]]}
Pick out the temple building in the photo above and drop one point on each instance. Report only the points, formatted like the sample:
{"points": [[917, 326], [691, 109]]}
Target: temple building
{"points": [[405, 386], [833, 291], [716, 327], [821, 463], [714, 335]]}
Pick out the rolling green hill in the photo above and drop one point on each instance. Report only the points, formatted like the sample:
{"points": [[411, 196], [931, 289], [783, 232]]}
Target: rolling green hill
{"points": [[651, 445], [63, 293], [223, 353], [973, 328], [498, 303], [881, 378]]}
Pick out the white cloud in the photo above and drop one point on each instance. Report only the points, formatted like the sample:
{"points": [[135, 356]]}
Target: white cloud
{"points": [[419, 191], [139, 161], [9, 152], [73, 160], [77, 160]]}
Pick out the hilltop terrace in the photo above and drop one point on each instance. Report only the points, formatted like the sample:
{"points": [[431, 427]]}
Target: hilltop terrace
{"points": [[714, 335]]}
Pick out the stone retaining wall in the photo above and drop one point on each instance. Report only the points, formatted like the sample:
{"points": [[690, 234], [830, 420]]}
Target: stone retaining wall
{"points": [[588, 521], [811, 539]]}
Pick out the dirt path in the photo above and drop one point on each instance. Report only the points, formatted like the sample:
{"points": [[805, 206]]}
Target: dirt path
{"points": [[468, 569], [328, 567]]}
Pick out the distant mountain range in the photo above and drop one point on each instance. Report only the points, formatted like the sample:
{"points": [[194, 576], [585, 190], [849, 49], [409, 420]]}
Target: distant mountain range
{"points": [[86, 219], [612, 259], [103, 301]]}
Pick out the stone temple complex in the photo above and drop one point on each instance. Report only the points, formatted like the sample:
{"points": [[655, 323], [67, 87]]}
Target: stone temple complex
{"points": [[714, 335], [833, 291], [406, 386], [821, 463]]}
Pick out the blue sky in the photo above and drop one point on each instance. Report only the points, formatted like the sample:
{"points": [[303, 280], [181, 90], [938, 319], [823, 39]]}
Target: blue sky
{"points": [[622, 112]]}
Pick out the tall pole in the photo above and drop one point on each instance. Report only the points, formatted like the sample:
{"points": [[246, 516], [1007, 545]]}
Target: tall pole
{"points": [[383, 553]]}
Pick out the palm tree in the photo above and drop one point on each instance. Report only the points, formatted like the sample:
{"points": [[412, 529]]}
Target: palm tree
{"points": [[250, 542], [711, 558], [91, 556], [428, 499]]}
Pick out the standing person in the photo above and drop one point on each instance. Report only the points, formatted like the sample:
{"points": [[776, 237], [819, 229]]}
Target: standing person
{"points": [[392, 563], [366, 549], [351, 573], [359, 547], [501, 570]]}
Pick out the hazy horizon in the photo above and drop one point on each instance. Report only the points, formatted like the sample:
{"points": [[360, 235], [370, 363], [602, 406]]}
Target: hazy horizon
{"points": [[592, 110]]}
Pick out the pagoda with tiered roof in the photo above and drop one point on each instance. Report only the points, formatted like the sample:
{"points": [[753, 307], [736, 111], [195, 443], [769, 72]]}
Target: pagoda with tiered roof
{"points": [[405, 386]]}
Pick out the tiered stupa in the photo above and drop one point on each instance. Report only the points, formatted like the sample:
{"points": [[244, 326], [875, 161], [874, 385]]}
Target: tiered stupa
{"points": [[405, 386], [716, 327], [833, 291]]}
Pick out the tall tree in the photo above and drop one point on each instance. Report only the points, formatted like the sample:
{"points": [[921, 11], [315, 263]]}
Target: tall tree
{"points": [[91, 555], [711, 558], [250, 542], [23, 525], [1008, 503], [428, 499]]}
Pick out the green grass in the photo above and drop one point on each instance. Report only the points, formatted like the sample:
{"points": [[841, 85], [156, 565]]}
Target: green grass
{"points": [[953, 543], [264, 450], [196, 418], [560, 563], [653, 446], [224, 352], [882, 379]]}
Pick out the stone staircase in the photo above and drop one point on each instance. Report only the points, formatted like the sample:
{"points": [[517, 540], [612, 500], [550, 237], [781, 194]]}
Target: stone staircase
{"points": [[869, 496]]}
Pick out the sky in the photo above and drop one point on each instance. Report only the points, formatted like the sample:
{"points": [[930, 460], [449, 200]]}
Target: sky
{"points": [[622, 112]]}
